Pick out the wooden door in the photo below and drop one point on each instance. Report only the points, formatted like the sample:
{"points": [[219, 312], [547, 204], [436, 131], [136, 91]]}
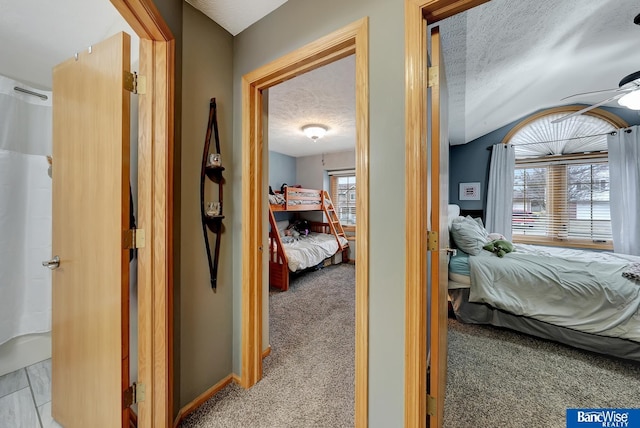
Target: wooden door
{"points": [[438, 152], [90, 321]]}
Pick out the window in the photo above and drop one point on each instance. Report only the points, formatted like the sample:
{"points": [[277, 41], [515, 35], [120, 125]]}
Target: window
{"points": [[343, 195], [561, 179], [562, 202]]}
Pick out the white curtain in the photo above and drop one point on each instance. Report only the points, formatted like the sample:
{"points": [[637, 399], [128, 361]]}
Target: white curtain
{"points": [[25, 211], [624, 176], [500, 189]]}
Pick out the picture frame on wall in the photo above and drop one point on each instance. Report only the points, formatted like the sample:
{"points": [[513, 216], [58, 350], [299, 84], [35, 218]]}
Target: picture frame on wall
{"points": [[469, 191]]}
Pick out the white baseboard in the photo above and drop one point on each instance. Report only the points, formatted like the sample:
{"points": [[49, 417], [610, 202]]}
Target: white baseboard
{"points": [[23, 351]]}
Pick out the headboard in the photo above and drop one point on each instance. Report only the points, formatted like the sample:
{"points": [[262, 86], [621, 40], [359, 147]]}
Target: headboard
{"points": [[472, 213]]}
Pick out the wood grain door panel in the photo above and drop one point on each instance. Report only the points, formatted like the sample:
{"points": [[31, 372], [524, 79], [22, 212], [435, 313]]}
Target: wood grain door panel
{"points": [[439, 189], [90, 321]]}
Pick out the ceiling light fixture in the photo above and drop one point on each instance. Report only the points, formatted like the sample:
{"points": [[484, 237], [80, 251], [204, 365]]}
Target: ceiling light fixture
{"points": [[631, 100], [314, 131]]}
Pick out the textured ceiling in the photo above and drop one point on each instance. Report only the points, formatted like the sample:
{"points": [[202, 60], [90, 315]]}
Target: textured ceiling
{"points": [[504, 59], [507, 59], [325, 96]]}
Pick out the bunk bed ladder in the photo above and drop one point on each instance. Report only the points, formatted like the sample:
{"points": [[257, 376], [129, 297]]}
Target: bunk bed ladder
{"points": [[334, 222]]}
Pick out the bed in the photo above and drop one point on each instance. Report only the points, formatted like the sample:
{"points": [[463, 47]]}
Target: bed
{"points": [[321, 243], [575, 297]]}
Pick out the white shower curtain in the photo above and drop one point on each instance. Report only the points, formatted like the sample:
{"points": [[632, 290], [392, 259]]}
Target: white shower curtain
{"points": [[500, 189], [25, 211], [624, 197]]}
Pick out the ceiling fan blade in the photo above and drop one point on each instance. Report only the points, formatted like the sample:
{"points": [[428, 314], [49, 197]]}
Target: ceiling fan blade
{"points": [[586, 109], [596, 92]]}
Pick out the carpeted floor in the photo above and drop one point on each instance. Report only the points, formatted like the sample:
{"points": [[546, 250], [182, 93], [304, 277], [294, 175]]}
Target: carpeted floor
{"points": [[496, 378], [309, 376], [499, 378]]}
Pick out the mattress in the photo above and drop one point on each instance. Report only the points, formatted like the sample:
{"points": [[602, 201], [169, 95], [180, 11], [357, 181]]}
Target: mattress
{"points": [[310, 250], [459, 271], [582, 290], [480, 313]]}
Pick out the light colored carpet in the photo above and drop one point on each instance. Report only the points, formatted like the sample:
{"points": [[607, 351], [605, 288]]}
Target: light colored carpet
{"points": [[309, 376], [496, 378], [499, 378]]}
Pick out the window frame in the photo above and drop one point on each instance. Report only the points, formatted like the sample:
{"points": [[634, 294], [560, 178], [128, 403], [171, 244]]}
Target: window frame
{"points": [[334, 176], [604, 115], [557, 167]]}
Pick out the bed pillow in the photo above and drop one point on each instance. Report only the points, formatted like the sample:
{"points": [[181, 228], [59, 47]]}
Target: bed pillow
{"points": [[453, 211], [468, 236], [478, 221]]}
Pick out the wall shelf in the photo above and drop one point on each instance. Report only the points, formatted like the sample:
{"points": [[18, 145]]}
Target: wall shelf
{"points": [[212, 226]]}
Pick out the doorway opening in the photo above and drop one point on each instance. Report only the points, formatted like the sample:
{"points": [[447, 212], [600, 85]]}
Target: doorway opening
{"points": [[350, 40]]}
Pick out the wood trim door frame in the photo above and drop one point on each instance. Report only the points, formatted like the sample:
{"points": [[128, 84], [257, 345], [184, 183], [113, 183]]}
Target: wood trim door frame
{"points": [[352, 39], [417, 14], [155, 210]]}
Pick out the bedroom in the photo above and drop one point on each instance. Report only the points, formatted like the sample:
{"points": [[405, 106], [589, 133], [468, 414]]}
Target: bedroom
{"points": [[386, 324], [324, 97], [495, 87]]}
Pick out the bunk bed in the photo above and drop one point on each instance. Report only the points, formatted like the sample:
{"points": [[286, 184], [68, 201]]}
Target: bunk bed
{"points": [[308, 249], [579, 298]]}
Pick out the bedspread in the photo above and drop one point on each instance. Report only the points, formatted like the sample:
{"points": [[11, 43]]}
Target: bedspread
{"points": [[587, 294]]}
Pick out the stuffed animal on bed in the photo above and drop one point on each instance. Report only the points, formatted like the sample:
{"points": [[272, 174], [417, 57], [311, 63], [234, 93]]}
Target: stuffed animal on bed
{"points": [[500, 247]]}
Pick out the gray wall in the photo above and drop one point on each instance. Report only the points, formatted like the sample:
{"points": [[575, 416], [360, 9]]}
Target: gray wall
{"points": [[284, 30], [205, 317], [470, 162]]}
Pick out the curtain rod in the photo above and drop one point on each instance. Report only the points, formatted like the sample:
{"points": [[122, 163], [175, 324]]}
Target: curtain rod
{"points": [[564, 139], [35, 94]]}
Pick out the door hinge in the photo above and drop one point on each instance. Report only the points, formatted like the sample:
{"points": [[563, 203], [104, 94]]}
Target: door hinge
{"points": [[432, 241], [432, 407], [133, 394], [135, 83], [433, 75], [133, 238]]}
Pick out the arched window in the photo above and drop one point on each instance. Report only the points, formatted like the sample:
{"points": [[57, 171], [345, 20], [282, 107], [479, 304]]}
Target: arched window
{"points": [[561, 184]]}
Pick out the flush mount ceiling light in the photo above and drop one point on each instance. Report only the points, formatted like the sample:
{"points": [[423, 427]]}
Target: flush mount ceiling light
{"points": [[314, 131]]}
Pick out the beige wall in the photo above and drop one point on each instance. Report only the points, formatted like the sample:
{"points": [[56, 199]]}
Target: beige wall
{"points": [[289, 27], [205, 317]]}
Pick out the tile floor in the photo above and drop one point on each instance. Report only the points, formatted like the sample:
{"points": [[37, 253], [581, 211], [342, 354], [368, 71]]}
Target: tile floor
{"points": [[25, 397]]}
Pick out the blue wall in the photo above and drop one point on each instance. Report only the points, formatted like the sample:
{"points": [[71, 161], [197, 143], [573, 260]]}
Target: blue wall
{"points": [[282, 169], [470, 162]]}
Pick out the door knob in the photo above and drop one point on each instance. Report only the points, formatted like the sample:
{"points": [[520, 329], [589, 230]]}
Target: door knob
{"points": [[451, 251], [52, 264]]}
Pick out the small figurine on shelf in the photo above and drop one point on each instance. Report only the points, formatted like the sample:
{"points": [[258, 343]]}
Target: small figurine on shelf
{"points": [[214, 160], [213, 209]]}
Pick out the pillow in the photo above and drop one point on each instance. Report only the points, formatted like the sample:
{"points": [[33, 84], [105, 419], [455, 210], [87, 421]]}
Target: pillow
{"points": [[478, 220], [496, 236], [468, 236], [453, 211]]}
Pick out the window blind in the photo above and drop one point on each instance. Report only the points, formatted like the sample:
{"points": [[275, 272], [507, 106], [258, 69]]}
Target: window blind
{"points": [[562, 201]]}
